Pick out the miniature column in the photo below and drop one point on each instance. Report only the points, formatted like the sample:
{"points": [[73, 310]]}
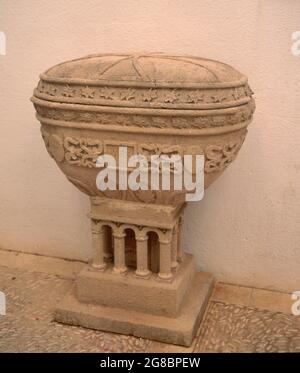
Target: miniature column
{"points": [[108, 244], [119, 252], [180, 252], [165, 247], [174, 262], [97, 244], [142, 269]]}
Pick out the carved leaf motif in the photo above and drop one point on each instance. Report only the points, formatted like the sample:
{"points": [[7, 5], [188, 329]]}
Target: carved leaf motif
{"points": [[218, 157], [106, 93], [159, 122], [215, 99], [191, 98], [149, 150], [149, 95], [180, 122], [82, 151], [171, 97], [127, 95], [68, 91], [87, 92], [200, 97]]}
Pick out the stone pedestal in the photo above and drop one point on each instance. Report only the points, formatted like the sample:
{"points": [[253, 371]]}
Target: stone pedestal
{"points": [[144, 286]]}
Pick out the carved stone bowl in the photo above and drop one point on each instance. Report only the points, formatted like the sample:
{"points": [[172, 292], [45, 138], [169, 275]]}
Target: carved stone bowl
{"points": [[150, 103]]}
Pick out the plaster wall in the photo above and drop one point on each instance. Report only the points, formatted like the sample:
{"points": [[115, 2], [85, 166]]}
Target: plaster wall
{"points": [[247, 228]]}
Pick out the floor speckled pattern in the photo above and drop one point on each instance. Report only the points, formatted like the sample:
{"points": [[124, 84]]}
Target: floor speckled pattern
{"points": [[28, 327], [235, 328]]}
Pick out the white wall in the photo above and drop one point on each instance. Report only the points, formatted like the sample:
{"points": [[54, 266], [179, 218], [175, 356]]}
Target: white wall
{"points": [[246, 230]]}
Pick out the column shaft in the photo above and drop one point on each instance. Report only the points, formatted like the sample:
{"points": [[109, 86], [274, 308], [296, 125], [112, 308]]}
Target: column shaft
{"points": [[174, 263], [108, 244], [119, 253], [165, 248], [97, 245], [142, 269], [180, 252]]}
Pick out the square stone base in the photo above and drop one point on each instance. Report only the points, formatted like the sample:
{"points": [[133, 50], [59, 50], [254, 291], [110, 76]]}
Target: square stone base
{"points": [[127, 291], [180, 330]]}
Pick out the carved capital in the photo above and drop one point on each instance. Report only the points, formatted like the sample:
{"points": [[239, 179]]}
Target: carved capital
{"points": [[96, 226]]}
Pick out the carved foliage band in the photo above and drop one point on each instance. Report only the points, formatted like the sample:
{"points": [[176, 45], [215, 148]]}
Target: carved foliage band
{"points": [[217, 157], [84, 151], [142, 97], [242, 114]]}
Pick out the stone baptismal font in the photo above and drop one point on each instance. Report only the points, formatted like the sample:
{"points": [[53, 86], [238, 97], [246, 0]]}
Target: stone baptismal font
{"points": [[140, 281]]}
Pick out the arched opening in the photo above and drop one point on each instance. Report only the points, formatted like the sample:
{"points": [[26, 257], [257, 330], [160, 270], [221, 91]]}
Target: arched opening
{"points": [[153, 252], [108, 243], [130, 248]]}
